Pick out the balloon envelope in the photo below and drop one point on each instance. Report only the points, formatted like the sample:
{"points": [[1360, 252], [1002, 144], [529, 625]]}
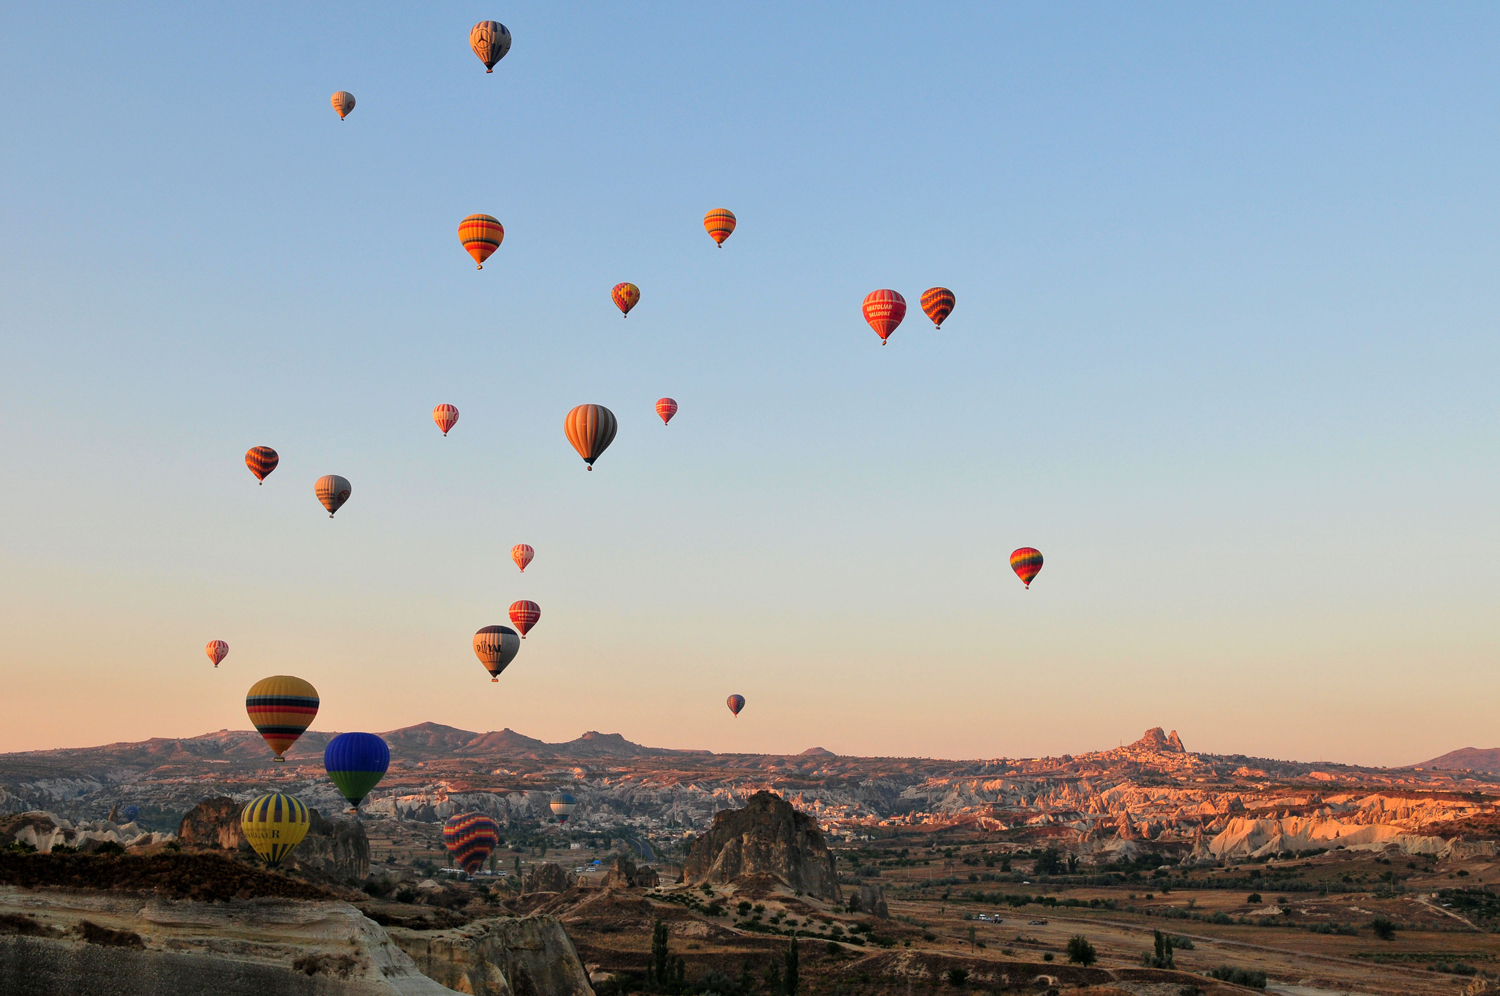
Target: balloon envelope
{"points": [[720, 223], [590, 428], [261, 460], [496, 647], [217, 650], [938, 302], [524, 615], [355, 763], [470, 837], [562, 805], [666, 408], [274, 824], [281, 707], [735, 703], [1026, 562], [626, 296], [333, 490], [130, 813], [884, 310], [522, 554], [446, 417], [481, 235], [343, 102], [490, 40]]}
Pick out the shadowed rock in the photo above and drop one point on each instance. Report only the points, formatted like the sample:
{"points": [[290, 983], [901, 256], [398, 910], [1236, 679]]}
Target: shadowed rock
{"points": [[768, 837], [548, 877]]}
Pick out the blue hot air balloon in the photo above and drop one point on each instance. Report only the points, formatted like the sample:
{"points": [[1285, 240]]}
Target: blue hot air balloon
{"points": [[356, 762], [130, 813]]}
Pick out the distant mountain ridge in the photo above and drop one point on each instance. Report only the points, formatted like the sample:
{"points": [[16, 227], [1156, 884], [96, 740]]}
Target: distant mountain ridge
{"points": [[1486, 759]]}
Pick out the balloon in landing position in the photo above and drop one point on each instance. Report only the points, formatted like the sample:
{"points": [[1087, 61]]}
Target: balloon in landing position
{"points": [[470, 837], [884, 310], [217, 650], [735, 703], [562, 805], [130, 813], [496, 646], [343, 102], [720, 224], [261, 460], [938, 302], [524, 615], [490, 40], [355, 763], [333, 491], [626, 296], [522, 554], [281, 707], [274, 824], [1026, 562], [591, 428], [666, 408], [481, 235], [446, 416]]}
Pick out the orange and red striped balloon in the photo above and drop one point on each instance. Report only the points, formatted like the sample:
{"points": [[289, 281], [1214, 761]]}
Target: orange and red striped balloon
{"points": [[626, 296], [261, 460], [938, 302], [735, 704], [590, 428], [666, 408], [522, 553], [446, 416], [481, 235], [524, 615], [720, 224], [884, 310], [217, 650], [1026, 562]]}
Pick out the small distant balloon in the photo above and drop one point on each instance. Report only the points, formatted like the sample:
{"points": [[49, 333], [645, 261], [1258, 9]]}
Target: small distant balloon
{"points": [[626, 296], [496, 647], [562, 805], [470, 837], [490, 40], [938, 302], [666, 408], [281, 707], [590, 428], [446, 416], [1026, 562], [524, 615], [217, 650], [343, 102], [274, 824], [720, 224], [355, 763], [735, 704], [130, 813], [522, 554], [261, 460], [333, 491], [884, 310], [481, 235]]}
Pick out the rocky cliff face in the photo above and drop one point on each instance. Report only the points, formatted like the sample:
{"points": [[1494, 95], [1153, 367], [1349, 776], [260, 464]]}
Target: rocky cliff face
{"points": [[340, 850], [870, 899], [767, 837], [510, 956], [548, 877], [44, 831], [213, 823], [624, 874]]}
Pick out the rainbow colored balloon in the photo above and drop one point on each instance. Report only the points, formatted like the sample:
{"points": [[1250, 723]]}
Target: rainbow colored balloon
{"points": [[1026, 562], [720, 224], [481, 235], [735, 703], [626, 296], [470, 837]]}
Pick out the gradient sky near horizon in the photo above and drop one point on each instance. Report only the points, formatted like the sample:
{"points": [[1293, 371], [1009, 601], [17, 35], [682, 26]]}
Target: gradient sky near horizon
{"points": [[1225, 350]]}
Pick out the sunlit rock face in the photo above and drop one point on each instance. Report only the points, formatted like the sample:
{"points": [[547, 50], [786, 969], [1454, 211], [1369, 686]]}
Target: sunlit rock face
{"points": [[766, 838], [503, 956]]}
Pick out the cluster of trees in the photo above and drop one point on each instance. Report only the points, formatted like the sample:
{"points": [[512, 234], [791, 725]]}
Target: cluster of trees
{"points": [[667, 974]]}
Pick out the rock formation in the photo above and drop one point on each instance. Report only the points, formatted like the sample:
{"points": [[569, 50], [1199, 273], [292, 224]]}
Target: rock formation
{"points": [[624, 874], [1158, 740], [767, 837], [870, 899], [548, 877], [44, 831], [339, 850], [213, 823], [510, 956]]}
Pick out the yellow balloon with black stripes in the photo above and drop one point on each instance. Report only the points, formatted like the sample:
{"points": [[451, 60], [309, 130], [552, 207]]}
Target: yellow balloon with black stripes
{"points": [[274, 824]]}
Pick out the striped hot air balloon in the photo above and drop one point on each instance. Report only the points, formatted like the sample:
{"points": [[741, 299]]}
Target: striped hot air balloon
{"points": [[343, 102], [217, 650], [562, 805], [938, 302], [281, 707], [626, 297], [735, 704], [524, 615], [496, 647], [490, 40], [470, 837], [481, 235], [355, 763], [274, 824], [666, 408], [1026, 562], [884, 310], [446, 416], [590, 428], [720, 224], [261, 460], [333, 490], [522, 554]]}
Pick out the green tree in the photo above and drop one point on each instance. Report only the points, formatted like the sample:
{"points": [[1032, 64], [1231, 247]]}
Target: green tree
{"points": [[1163, 956], [972, 934], [657, 972], [1384, 929], [1049, 862], [1080, 951], [772, 977], [789, 981]]}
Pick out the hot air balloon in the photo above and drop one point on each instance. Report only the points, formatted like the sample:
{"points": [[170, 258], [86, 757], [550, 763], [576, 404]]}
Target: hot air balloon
{"points": [[446, 416], [355, 763], [590, 428], [1026, 562], [490, 40], [666, 408], [720, 223], [496, 646], [884, 310], [522, 554], [281, 707], [626, 297], [470, 838], [274, 824], [261, 460], [562, 805], [332, 491], [938, 302], [343, 102], [130, 813], [735, 703], [217, 650], [524, 615], [481, 235]]}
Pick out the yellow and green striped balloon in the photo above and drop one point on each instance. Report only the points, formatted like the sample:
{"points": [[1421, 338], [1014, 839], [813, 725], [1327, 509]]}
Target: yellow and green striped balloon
{"points": [[274, 824]]}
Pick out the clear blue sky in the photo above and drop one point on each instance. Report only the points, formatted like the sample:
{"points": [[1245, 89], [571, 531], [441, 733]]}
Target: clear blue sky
{"points": [[1225, 350]]}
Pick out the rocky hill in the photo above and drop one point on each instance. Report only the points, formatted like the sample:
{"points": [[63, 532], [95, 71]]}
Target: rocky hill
{"points": [[766, 839], [1465, 759]]}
